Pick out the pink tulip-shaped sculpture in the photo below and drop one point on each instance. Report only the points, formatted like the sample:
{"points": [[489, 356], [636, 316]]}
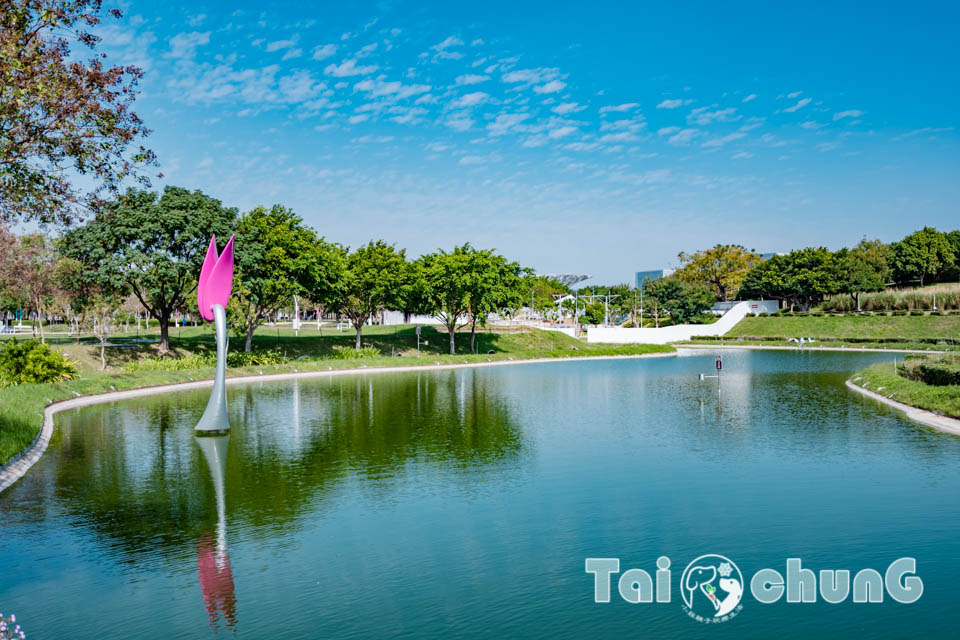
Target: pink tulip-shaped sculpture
{"points": [[213, 293]]}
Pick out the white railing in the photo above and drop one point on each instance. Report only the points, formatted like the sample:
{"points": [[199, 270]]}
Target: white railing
{"points": [[677, 333]]}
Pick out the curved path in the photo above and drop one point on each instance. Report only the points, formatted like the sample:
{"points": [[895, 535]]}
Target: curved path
{"points": [[924, 417], [16, 468]]}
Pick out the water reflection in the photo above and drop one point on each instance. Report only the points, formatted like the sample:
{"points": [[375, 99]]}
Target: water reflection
{"points": [[213, 561], [132, 473]]}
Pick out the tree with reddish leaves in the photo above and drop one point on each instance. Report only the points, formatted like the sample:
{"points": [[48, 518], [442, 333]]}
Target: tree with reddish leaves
{"points": [[62, 117]]}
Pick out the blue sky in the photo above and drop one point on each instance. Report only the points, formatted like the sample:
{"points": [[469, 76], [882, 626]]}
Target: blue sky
{"points": [[594, 137]]}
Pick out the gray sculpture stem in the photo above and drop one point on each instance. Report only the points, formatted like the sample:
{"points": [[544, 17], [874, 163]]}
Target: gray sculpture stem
{"points": [[214, 420]]}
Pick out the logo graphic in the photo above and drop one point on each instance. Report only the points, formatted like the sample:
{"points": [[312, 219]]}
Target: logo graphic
{"points": [[712, 587]]}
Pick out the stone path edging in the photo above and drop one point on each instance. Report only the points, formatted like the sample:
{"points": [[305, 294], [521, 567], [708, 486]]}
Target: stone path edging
{"points": [[924, 417]]}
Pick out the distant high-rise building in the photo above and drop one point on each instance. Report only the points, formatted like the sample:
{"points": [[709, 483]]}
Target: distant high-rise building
{"points": [[654, 274]]}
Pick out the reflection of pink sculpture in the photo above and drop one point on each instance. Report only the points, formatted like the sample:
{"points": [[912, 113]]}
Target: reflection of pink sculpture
{"points": [[216, 278], [216, 582]]}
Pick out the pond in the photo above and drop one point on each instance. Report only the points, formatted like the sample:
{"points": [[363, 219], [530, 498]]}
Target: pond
{"points": [[464, 502]]}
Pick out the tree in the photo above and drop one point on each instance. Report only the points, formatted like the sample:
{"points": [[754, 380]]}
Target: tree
{"points": [[62, 116], [374, 277], [593, 314], [494, 284], [443, 287], [277, 257], [35, 273], [543, 290], [721, 268], [681, 298], [153, 243], [802, 277], [862, 269], [922, 255]]}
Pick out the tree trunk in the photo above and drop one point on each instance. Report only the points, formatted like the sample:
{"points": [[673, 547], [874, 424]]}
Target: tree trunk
{"points": [[248, 345], [473, 335], [858, 302], [164, 333], [40, 322], [359, 327], [103, 359], [452, 329]]}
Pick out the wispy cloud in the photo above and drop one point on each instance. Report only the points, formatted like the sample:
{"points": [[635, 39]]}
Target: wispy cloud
{"points": [[750, 97], [184, 45], [722, 140], [673, 104], [627, 106], [278, 45], [324, 51], [567, 107], [349, 68], [471, 78], [470, 100], [551, 87], [851, 113], [703, 116], [800, 105]]}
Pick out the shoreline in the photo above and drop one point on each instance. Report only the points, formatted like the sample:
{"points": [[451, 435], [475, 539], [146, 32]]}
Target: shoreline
{"points": [[759, 347], [922, 416], [17, 467]]}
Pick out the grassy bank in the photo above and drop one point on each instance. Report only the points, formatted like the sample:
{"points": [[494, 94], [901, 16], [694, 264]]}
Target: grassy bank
{"points": [[881, 379], [924, 333], [21, 407]]}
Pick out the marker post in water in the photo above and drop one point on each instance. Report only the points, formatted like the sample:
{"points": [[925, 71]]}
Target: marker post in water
{"points": [[719, 365]]}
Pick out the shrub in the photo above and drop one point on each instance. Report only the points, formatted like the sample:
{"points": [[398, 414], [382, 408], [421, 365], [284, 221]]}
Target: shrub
{"points": [[9, 629], [916, 312], [349, 353], [31, 361], [206, 360]]}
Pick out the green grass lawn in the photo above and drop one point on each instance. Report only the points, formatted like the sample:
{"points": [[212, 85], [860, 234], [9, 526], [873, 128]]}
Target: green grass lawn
{"points": [[881, 379], [21, 407], [876, 328]]}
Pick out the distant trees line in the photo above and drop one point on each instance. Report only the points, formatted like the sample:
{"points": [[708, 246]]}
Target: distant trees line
{"points": [[151, 245]]}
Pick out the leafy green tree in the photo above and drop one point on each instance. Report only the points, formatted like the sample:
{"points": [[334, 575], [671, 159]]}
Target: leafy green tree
{"points": [[862, 269], [276, 258], [494, 285], [62, 116], [922, 255], [543, 290], [953, 273], [155, 244], [722, 268], [681, 298], [373, 277], [593, 314], [443, 281], [33, 263], [802, 277]]}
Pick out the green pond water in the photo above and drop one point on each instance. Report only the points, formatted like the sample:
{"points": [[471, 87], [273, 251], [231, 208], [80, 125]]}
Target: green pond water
{"points": [[463, 503]]}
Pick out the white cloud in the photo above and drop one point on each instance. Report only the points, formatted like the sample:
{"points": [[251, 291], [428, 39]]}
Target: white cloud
{"points": [[531, 76], [474, 159], [679, 136], [375, 139], [184, 45], [442, 49], [567, 107], [367, 50], [800, 105], [360, 117], [750, 97], [471, 78], [377, 87], [795, 94], [324, 51], [741, 155], [292, 53], [506, 121], [459, 121], [349, 68], [673, 104], [852, 113], [719, 142], [197, 20], [551, 87], [811, 124], [470, 100], [562, 132], [477, 42], [627, 106], [277, 45], [704, 117]]}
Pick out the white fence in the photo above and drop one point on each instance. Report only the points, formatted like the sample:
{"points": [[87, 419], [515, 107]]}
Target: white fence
{"points": [[676, 333]]}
